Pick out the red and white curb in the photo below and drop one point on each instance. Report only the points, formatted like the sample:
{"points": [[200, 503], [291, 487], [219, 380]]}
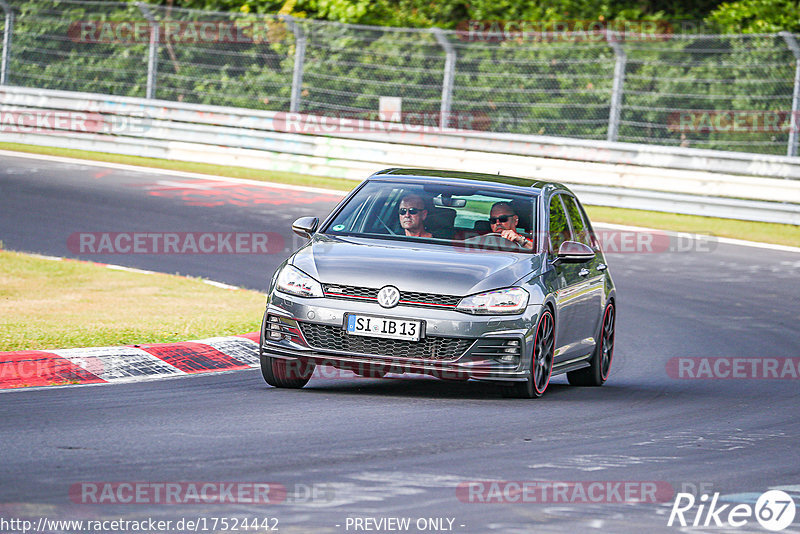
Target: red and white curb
{"points": [[131, 363]]}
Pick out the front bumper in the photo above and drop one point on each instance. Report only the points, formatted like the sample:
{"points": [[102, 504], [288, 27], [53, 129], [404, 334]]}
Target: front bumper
{"points": [[456, 345]]}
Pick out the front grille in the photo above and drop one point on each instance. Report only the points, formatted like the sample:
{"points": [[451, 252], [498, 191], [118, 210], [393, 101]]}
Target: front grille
{"points": [[428, 299], [336, 291], [409, 298], [327, 337]]}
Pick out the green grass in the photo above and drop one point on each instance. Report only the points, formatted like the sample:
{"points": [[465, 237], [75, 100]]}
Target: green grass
{"points": [[307, 180], [47, 304], [783, 234]]}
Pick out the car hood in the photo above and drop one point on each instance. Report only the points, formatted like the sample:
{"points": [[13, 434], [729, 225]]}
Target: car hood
{"points": [[418, 267]]}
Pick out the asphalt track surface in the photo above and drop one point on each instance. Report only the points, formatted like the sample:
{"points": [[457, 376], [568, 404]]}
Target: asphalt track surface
{"points": [[399, 448]]}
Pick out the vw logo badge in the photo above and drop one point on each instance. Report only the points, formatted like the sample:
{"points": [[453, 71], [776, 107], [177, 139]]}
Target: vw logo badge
{"points": [[388, 296]]}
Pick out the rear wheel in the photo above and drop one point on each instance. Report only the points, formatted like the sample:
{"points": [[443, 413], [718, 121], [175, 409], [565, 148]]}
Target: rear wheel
{"points": [[541, 361], [597, 373]]}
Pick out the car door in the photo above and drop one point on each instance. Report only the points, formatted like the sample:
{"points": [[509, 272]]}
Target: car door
{"points": [[569, 286], [590, 288]]}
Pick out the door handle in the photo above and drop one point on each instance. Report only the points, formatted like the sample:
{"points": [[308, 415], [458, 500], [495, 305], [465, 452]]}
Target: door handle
{"points": [[602, 267], [583, 272]]}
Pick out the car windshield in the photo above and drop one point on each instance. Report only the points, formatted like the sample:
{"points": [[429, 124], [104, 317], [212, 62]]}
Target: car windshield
{"points": [[446, 214]]}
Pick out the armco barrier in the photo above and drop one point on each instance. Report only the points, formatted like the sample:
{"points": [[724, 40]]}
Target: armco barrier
{"points": [[702, 182]]}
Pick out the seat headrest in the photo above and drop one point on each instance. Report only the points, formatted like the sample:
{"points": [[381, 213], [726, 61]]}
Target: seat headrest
{"points": [[440, 222], [482, 227]]}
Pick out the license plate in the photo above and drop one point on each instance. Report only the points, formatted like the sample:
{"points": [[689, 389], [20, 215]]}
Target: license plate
{"points": [[367, 325]]}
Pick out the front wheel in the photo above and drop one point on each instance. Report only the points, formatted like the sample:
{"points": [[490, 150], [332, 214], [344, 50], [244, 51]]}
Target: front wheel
{"points": [[597, 373], [285, 373], [282, 373], [541, 361]]}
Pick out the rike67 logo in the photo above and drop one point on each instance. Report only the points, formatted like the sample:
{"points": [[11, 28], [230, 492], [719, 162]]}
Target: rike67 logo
{"points": [[774, 510]]}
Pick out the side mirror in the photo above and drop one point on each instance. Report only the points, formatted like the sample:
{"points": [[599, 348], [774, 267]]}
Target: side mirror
{"points": [[574, 252], [305, 226]]}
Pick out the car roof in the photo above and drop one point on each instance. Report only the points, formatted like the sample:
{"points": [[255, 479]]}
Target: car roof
{"points": [[498, 181]]}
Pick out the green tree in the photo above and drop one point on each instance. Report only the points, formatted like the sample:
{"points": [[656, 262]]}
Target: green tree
{"points": [[757, 16]]}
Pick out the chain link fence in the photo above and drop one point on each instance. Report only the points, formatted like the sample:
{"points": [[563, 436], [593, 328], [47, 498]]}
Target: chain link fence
{"points": [[725, 92]]}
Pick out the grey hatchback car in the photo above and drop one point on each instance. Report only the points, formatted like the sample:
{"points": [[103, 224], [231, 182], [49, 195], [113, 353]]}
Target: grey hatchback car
{"points": [[452, 274]]}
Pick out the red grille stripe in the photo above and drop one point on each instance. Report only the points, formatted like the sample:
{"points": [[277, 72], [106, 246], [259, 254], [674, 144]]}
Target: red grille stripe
{"points": [[427, 304], [350, 296]]}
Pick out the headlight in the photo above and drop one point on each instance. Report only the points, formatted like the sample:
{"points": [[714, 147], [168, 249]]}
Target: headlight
{"points": [[500, 302], [295, 282]]}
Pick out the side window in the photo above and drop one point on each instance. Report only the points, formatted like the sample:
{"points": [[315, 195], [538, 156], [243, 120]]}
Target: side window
{"points": [[381, 215], [559, 231], [580, 232]]}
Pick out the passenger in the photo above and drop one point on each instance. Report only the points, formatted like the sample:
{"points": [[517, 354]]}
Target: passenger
{"points": [[412, 216], [503, 220]]}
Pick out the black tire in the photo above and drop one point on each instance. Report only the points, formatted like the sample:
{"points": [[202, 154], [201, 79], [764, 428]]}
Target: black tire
{"points": [[541, 361], [597, 373], [281, 373], [285, 373]]}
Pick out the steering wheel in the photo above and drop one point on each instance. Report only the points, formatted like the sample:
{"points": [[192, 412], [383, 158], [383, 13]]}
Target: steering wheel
{"points": [[492, 239]]}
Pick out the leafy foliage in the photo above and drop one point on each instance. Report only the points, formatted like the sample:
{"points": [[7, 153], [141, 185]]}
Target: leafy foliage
{"points": [[757, 16], [517, 83]]}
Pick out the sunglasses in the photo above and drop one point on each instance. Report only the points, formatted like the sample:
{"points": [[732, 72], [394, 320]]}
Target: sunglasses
{"points": [[502, 219], [410, 211]]}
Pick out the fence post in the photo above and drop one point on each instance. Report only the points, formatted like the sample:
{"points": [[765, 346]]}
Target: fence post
{"points": [[6, 42], [152, 58], [617, 88], [449, 76], [299, 63], [794, 120]]}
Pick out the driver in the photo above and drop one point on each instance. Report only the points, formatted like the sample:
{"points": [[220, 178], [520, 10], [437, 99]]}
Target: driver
{"points": [[412, 214], [503, 221]]}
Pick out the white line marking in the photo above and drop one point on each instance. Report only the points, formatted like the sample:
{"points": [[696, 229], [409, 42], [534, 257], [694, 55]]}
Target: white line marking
{"points": [[168, 172], [153, 170], [219, 284], [128, 269], [726, 240]]}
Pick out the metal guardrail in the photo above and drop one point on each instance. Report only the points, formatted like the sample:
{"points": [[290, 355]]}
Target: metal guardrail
{"points": [[701, 182], [649, 82]]}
